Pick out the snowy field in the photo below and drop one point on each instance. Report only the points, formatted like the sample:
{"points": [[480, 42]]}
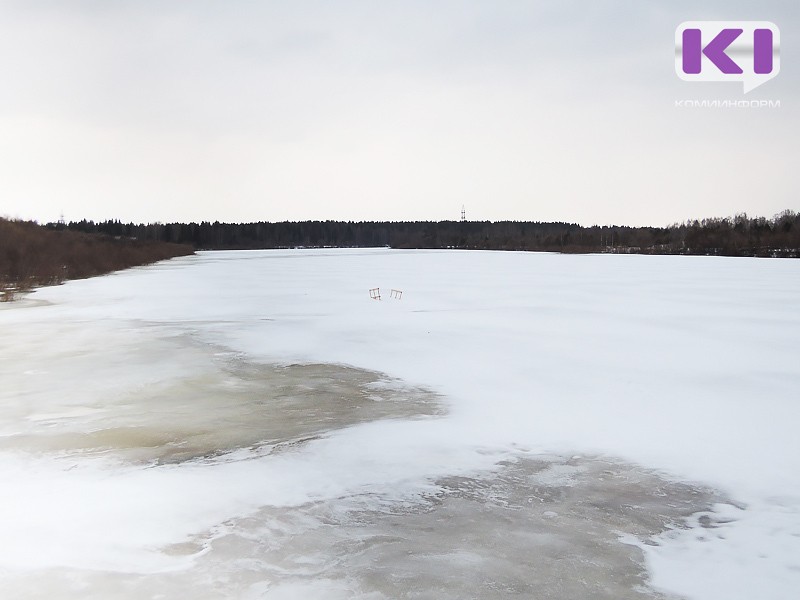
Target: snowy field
{"points": [[253, 425]]}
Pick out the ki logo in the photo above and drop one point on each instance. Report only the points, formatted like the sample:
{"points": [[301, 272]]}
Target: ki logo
{"points": [[746, 51]]}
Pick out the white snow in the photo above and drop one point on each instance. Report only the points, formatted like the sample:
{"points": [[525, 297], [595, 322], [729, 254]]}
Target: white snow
{"points": [[688, 365]]}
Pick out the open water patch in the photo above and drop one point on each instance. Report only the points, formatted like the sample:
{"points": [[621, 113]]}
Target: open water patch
{"points": [[231, 405]]}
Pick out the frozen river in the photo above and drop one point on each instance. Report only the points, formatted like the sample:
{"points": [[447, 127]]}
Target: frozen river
{"points": [[252, 425]]}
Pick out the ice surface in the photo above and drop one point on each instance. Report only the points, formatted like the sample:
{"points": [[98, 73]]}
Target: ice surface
{"points": [[135, 443]]}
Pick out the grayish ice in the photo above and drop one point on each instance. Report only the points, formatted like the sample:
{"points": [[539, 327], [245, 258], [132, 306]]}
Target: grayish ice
{"points": [[537, 526]]}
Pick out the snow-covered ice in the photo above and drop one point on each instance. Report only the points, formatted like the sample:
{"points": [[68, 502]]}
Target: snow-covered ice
{"points": [[194, 421]]}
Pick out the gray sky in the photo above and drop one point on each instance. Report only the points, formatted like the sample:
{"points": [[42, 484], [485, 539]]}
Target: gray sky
{"points": [[241, 110]]}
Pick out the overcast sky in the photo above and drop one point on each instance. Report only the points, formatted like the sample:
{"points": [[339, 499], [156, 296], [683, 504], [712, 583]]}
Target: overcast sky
{"points": [[245, 110]]}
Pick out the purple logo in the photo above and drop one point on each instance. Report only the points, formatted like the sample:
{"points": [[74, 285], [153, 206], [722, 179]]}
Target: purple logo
{"points": [[746, 51]]}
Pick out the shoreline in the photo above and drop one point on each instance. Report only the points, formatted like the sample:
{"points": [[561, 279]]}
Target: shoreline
{"points": [[32, 256]]}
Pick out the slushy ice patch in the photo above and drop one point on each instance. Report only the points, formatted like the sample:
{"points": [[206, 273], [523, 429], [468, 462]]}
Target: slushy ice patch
{"points": [[233, 405], [541, 527]]}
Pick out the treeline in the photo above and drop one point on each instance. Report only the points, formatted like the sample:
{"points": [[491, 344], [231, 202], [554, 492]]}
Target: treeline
{"points": [[32, 255], [737, 236]]}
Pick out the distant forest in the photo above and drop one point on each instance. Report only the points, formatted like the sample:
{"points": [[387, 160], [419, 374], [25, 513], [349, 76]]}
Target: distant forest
{"points": [[736, 236], [32, 256]]}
